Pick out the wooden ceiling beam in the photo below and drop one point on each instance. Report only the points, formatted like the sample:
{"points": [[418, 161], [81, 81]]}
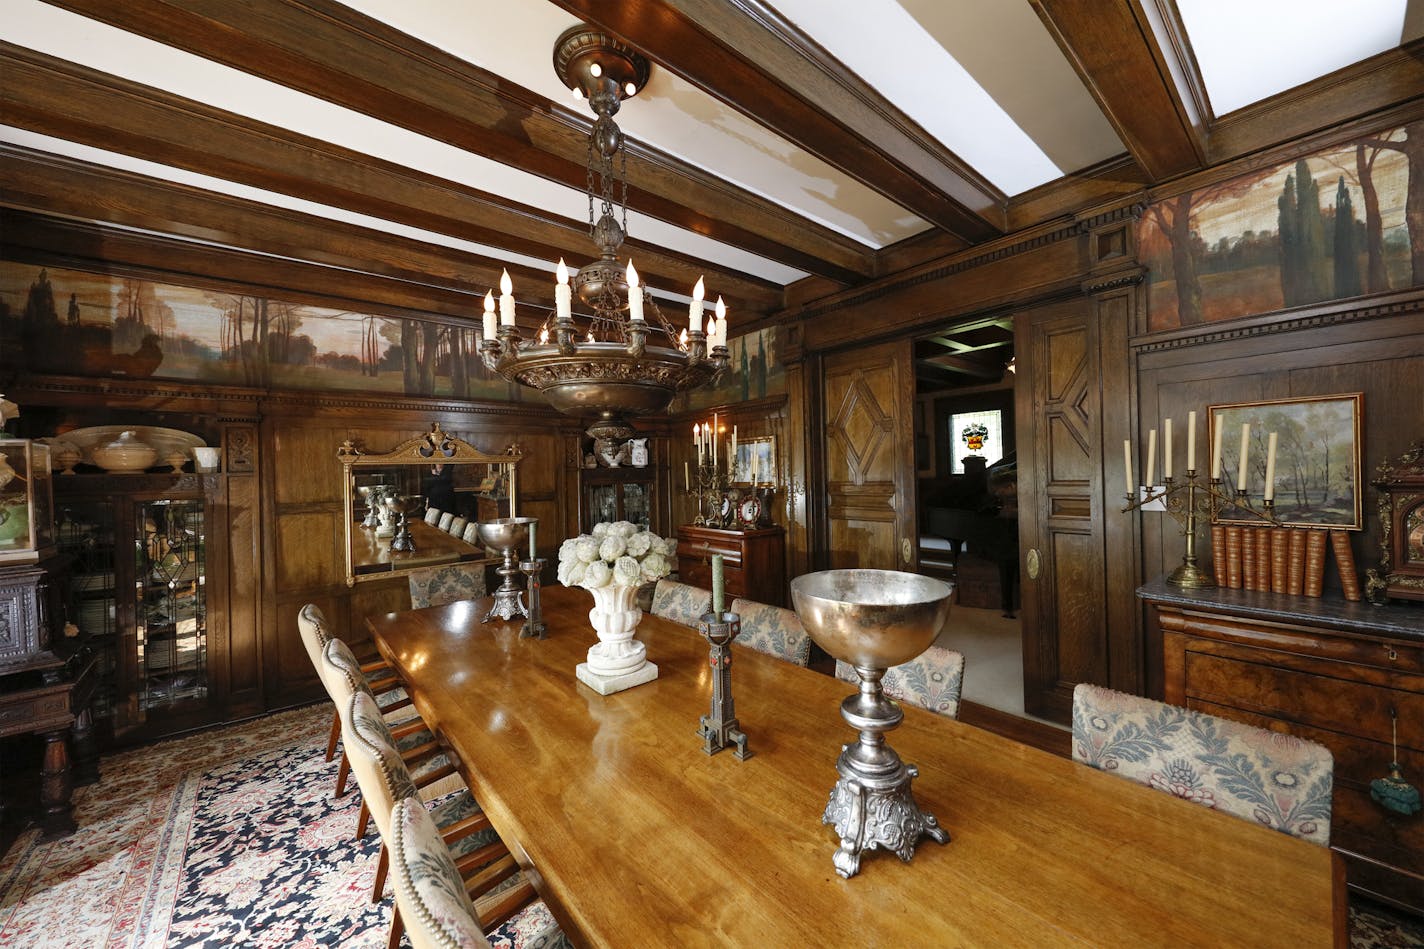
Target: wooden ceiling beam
{"points": [[50, 184], [1117, 52], [57, 98], [331, 51], [966, 365], [748, 56]]}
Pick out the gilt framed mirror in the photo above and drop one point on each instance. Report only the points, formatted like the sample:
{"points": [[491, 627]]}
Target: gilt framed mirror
{"points": [[416, 505]]}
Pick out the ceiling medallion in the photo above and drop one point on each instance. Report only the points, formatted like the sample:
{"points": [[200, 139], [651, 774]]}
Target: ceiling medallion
{"points": [[624, 358]]}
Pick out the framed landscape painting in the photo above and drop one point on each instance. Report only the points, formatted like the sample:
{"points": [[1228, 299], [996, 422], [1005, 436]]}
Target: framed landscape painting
{"points": [[1317, 469]]}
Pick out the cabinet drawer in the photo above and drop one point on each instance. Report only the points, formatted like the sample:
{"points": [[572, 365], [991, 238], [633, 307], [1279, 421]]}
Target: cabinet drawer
{"points": [[1355, 708], [699, 574], [702, 550]]}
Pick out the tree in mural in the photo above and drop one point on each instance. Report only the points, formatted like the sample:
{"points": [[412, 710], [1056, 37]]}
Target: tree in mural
{"points": [[1411, 145], [1346, 249], [1302, 230]]}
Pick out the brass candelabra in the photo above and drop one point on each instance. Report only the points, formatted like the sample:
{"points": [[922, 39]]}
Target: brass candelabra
{"points": [[1185, 501]]}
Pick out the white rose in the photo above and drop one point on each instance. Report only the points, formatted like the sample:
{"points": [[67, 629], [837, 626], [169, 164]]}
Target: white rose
{"points": [[624, 529], [566, 567], [566, 549], [612, 547], [577, 568], [601, 529], [587, 549], [655, 566], [596, 575], [627, 572], [640, 543]]}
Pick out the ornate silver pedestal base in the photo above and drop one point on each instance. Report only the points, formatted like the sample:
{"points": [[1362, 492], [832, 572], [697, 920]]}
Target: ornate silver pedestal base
{"points": [[508, 599], [870, 817], [872, 804]]}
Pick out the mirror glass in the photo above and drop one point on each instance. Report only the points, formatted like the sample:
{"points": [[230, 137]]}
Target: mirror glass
{"points": [[417, 505]]}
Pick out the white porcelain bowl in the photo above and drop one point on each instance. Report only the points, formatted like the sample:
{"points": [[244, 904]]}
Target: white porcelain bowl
{"points": [[124, 455]]}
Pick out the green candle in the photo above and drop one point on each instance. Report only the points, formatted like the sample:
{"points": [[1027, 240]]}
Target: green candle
{"points": [[533, 529], [718, 589]]}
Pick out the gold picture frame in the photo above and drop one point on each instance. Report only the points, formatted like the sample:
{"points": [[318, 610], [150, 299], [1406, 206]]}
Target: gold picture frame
{"points": [[1318, 451]]}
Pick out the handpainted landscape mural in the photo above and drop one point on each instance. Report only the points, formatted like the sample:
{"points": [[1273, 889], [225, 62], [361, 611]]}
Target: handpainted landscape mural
{"points": [[67, 321], [754, 373], [1343, 222]]}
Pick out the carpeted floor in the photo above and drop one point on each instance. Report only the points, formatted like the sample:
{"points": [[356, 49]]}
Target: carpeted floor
{"points": [[231, 837]]}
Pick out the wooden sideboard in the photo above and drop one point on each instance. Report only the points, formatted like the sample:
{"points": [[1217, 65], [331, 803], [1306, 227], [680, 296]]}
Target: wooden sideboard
{"points": [[1324, 669], [753, 562]]}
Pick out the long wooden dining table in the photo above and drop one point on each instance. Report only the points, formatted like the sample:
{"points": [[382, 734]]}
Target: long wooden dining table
{"points": [[635, 837]]}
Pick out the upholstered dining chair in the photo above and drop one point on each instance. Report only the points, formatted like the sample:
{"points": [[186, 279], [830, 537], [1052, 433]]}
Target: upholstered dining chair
{"points": [[436, 586], [432, 515], [312, 625], [1276, 780], [932, 680], [431, 896], [444, 522], [773, 630], [472, 533], [681, 602], [458, 525], [479, 855], [428, 765]]}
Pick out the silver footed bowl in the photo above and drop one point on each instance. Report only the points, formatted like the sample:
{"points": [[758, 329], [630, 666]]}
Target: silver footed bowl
{"points": [[505, 533], [872, 619], [405, 503]]}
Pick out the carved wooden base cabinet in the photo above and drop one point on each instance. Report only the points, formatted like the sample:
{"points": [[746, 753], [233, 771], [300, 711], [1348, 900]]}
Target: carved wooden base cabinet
{"points": [[1327, 670]]}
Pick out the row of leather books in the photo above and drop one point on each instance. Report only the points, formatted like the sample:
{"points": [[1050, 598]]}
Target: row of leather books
{"points": [[1287, 560]]}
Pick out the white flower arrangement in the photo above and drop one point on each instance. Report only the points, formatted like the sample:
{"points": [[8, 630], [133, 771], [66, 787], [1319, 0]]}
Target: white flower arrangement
{"points": [[615, 553]]}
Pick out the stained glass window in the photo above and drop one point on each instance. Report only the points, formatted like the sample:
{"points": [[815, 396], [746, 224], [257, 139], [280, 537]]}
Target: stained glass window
{"points": [[975, 433]]}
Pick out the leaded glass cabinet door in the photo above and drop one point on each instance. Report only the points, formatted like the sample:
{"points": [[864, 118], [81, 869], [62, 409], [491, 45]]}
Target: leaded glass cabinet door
{"points": [[86, 532], [171, 614], [637, 503]]}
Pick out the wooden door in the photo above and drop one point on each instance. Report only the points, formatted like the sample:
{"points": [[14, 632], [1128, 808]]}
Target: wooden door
{"points": [[867, 407], [1074, 397]]}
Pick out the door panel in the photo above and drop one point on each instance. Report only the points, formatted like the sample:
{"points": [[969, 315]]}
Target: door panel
{"points": [[1070, 403], [869, 443]]}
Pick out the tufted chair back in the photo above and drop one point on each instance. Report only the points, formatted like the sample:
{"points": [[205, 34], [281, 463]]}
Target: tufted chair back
{"points": [[429, 891], [932, 680], [375, 762], [432, 515], [311, 622], [1279, 781]]}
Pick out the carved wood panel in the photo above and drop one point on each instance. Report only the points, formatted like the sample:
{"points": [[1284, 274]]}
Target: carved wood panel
{"points": [[867, 410], [1073, 628]]}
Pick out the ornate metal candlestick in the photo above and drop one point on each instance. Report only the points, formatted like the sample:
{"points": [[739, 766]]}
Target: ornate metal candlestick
{"points": [[1184, 505], [534, 627], [709, 483], [873, 619], [719, 728], [507, 535], [402, 506]]}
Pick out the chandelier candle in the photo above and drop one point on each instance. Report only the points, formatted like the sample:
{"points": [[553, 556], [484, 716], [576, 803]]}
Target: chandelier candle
{"points": [[506, 300], [694, 309], [491, 322]]}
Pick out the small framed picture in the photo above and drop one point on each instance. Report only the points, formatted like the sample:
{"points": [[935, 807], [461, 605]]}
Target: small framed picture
{"points": [[756, 461], [1317, 462]]}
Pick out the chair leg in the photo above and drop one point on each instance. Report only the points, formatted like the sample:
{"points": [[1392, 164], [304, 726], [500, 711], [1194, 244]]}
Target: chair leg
{"points": [[397, 928], [341, 774], [383, 862], [363, 820], [335, 734]]}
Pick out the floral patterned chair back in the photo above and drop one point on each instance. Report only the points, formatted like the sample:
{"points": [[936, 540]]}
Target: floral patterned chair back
{"points": [[342, 675], [445, 519], [681, 602], [432, 515], [932, 680], [472, 533], [375, 762], [458, 525], [436, 586], [1279, 781], [773, 630], [429, 891]]}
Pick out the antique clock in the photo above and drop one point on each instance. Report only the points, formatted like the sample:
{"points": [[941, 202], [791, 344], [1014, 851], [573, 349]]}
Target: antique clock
{"points": [[749, 512], [1400, 573]]}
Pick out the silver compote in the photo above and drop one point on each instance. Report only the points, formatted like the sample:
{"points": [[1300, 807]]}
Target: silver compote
{"points": [[873, 619], [507, 535]]}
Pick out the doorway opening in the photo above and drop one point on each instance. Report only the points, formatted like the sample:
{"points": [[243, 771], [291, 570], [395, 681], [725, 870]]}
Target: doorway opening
{"points": [[966, 466]]}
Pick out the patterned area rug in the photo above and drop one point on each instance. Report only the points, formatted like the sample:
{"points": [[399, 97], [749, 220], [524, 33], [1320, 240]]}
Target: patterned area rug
{"points": [[229, 837]]}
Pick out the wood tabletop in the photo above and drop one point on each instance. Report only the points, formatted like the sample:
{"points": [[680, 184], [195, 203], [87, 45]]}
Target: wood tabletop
{"points": [[638, 838], [372, 554]]}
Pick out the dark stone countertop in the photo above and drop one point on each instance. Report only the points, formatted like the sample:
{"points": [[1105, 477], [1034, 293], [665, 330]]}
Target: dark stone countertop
{"points": [[1398, 620]]}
